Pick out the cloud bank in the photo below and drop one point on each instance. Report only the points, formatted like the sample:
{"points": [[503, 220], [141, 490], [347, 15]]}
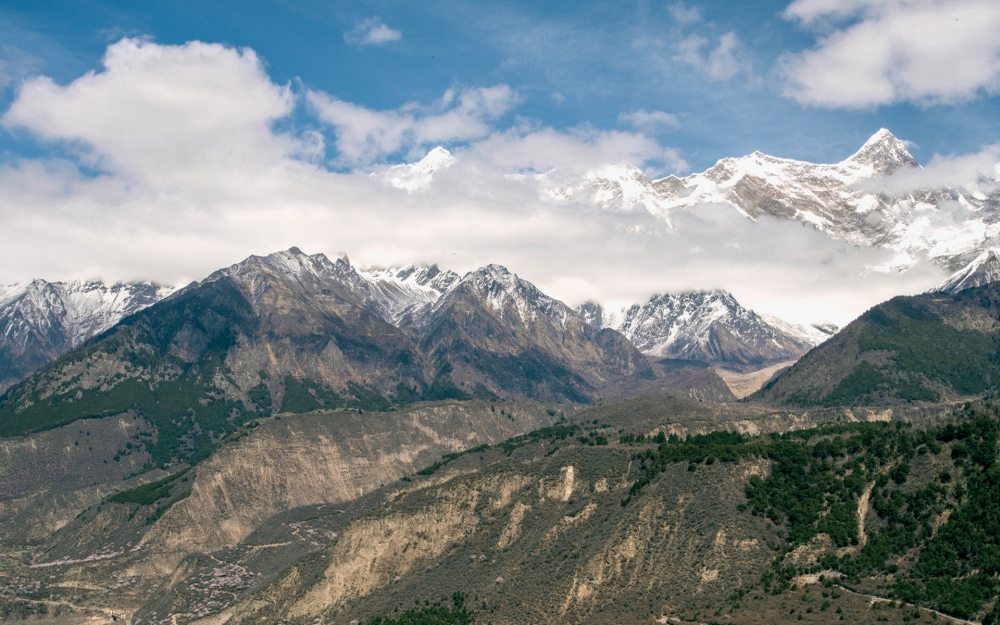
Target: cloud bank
{"points": [[173, 161], [878, 52]]}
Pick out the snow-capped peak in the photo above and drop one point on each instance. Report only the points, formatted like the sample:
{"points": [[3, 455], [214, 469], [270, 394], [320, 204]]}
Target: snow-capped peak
{"points": [[292, 263], [810, 335], [708, 326], [42, 320], [883, 153], [983, 269], [398, 290], [417, 176], [613, 187], [505, 293], [844, 199]]}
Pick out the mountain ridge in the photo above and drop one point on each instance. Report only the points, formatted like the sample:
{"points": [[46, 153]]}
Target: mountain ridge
{"points": [[846, 200], [706, 326], [924, 348], [41, 320]]}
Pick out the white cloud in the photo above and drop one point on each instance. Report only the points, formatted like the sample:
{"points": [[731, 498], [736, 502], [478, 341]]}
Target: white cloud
{"points": [[371, 32], [367, 136], [876, 52], [721, 63], [174, 168], [649, 119], [161, 112]]}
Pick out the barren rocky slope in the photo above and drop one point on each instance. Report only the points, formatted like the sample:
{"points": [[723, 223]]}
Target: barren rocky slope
{"points": [[253, 531]]}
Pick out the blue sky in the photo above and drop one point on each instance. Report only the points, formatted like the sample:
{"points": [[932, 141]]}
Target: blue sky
{"points": [[571, 63], [163, 140]]}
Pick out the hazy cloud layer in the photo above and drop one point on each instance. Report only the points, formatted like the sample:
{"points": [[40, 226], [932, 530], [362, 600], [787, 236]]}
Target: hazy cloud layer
{"points": [[649, 119], [174, 167], [716, 61], [875, 52]]}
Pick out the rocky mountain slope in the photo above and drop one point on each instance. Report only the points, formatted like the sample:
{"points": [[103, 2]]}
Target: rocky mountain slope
{"points": [[494, 326], [846, 200], [922, 348], [709, 327], [398, 290], [40, 321], [983, 269]]}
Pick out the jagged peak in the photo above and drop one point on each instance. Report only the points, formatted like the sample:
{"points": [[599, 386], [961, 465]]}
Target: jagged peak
{"points": [[292, 263], [881, 136], [500, 287], [592, 313], [439, 154], [704, 294], [884, 153], [492, 270], [417, 176], [427, 276], [983, 269]]}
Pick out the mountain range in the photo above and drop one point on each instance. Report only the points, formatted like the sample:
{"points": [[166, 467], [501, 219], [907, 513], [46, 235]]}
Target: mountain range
{"points": [[710, 327], [427, 305], [291, 332], [849, 200], [40, 320]]}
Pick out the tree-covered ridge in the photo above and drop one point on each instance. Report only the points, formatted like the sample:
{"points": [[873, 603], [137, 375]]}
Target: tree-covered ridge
{"points": [[934, 542], [920, 348], [436, 614], [924, 353], [151, 378]]}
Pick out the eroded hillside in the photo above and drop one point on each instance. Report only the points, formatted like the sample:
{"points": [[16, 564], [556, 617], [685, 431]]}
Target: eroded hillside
{"points": [[350, 515]]}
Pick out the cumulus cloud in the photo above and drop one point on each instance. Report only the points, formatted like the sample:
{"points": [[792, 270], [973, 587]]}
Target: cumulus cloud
{"points": [[169, 165], [371, 32], [876, 52], [161, 111], [719, 63]]}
